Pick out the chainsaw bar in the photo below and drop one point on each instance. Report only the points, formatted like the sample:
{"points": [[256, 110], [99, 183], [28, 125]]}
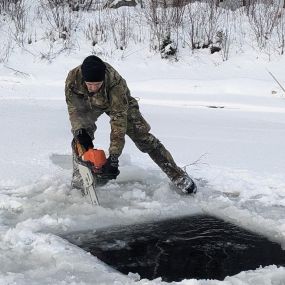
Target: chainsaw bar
{"points": [[89, 182]]}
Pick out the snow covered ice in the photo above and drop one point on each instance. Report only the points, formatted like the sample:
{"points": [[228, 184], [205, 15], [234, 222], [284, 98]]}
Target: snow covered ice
{"points": [[240, 173], [219, 118]]}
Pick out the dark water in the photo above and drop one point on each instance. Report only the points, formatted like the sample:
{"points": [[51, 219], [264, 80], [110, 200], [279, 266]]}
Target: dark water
{"points": [[190, 247]]}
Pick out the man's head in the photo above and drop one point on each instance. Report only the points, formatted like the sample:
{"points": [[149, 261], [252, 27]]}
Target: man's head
{"points": [[93, 72]]}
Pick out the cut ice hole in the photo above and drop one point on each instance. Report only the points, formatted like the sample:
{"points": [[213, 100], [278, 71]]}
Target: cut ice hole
{"points": [[200, 247]]}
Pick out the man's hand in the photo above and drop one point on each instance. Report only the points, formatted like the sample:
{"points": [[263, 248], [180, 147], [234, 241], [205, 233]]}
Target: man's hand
{"points": [[112, 166], [84, 139]]}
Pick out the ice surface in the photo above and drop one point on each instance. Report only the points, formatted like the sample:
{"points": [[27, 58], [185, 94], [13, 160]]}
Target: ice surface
{"points": [[235, 153]]}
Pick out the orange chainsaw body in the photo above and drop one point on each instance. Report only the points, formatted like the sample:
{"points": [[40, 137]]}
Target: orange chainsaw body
{"points": [[96, 156]]}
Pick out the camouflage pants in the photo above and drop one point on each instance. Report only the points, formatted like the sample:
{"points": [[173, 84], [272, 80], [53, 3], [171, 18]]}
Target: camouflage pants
{"points": [[139, 131]]}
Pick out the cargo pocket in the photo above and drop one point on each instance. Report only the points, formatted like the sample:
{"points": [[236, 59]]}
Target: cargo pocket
{"points": [[138, 123]]}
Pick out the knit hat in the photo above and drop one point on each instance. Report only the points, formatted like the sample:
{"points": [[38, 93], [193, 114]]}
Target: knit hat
{"points": [[93, 69]]}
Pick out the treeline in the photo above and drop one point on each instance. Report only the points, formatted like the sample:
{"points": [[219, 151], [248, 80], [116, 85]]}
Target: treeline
{"points": [[58, 26]]}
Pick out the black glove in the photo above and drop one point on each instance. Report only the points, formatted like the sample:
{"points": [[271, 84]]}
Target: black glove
{"points": [[112, 166], [84, 139]]}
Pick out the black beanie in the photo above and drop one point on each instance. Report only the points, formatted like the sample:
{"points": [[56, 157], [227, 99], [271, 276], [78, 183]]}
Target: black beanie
{"points": [[93, 69]]}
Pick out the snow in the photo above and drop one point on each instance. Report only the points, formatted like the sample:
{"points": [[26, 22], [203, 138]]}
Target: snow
{"points": [[235, 152]]}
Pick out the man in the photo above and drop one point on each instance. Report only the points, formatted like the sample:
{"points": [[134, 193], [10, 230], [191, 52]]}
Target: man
{"points": [[94, 88]]}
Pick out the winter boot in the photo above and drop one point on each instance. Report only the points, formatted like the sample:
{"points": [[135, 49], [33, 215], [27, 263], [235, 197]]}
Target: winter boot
{"points": [[162, 157], [185, 184]]}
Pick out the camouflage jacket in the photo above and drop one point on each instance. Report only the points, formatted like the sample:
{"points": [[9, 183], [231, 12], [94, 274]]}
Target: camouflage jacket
{"points": [[113, 98]]}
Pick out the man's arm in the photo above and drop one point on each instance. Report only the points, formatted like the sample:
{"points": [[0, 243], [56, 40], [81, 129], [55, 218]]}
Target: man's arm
{"points": [[80, 117], [118, 94]]}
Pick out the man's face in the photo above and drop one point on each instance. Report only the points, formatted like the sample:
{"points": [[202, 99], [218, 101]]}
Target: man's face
{"points": [[93, 87]]}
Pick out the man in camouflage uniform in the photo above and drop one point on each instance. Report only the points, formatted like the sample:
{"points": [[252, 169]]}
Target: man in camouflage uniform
{"points": [[94, 88]]}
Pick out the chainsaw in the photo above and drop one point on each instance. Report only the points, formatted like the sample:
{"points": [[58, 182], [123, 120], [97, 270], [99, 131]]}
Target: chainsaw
{"points": [[90, 166]]}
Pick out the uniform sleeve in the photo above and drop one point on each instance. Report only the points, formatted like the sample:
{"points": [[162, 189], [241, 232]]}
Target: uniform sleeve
{"points": [[118, 113], [80, 117]]}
